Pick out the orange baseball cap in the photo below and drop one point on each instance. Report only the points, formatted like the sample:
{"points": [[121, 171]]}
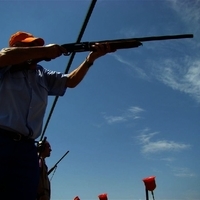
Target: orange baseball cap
{"points": [[24, 37]]}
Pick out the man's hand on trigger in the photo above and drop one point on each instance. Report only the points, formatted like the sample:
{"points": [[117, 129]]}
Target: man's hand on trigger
{"points": [[54, 51]]}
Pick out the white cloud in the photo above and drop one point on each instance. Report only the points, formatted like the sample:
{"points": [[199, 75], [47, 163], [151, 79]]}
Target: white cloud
{"points": [[149, 146], [131, 113], [163, 145], [182, 172], [189, 12], [181, 70], [141, 73], [135, 109], [169, 159], [184, 76], [114, 119], [181, 75]]}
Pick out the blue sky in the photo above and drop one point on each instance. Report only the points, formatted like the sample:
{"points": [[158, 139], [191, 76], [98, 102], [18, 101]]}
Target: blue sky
{"points": [[136, 114]]}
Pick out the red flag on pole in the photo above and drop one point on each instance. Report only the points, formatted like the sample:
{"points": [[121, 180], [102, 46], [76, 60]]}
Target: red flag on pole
{"points": [[150, 183], [103, 196], [76, 198]]}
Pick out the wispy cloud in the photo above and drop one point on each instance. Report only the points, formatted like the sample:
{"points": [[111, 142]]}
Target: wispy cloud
{"points": [[135, 110], [177, 67], [150, 146], [114, 119], [131, 113], [182, 172], [169, 159], [189, 12], [141, 73], [184, 76]]}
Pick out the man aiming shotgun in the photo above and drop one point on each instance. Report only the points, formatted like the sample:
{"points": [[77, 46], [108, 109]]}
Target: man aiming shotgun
{"points": [[24, 89]]}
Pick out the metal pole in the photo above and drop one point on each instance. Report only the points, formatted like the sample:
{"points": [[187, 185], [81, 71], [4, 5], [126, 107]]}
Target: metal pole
{"points": [[147, 194], [92, 5]]}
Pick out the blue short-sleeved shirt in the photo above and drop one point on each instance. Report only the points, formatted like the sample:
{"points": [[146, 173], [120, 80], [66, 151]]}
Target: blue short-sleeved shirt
{"points": [[24, 96]]}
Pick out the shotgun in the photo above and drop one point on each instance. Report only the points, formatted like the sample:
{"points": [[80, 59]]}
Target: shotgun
{"points": [[120, 43], [57, 163]]}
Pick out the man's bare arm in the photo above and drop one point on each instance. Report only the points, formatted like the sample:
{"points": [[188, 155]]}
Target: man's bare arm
{"points": [[76, 76], [17, 55]]}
